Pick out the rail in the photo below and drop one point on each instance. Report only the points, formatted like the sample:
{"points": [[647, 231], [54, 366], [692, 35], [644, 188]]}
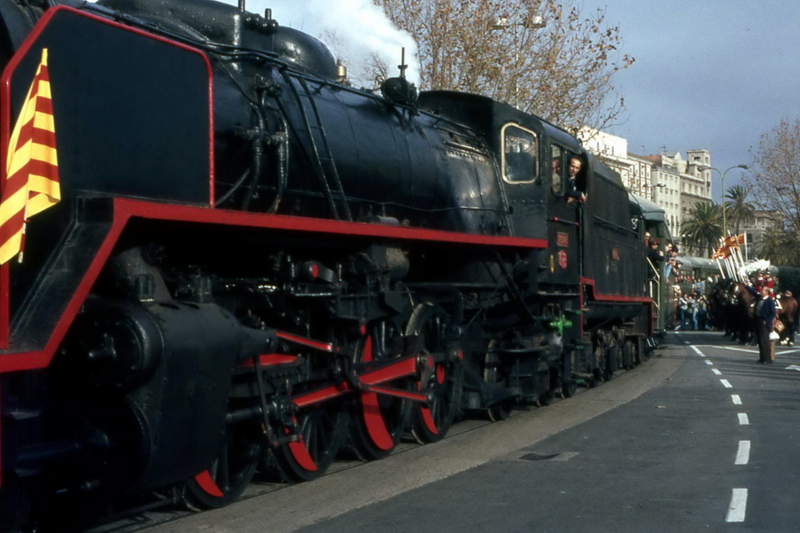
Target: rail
{"points": [[654, 283]]}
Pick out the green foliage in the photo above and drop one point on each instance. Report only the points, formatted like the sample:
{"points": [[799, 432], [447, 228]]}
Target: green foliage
{"points": [[780, 247], [703, 226], [738, 210], [789, 279]]}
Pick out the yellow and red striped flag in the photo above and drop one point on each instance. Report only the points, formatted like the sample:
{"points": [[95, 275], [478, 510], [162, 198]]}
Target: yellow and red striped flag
{"points": [[723, 252], [31, 184], [734, 241]]}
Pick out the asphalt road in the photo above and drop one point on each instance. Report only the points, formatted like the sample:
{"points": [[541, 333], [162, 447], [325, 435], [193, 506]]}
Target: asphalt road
{"points": [[701, 438]]}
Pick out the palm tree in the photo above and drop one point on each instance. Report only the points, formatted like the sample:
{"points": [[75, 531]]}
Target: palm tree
{"points": [[780, 247], [703, 226], [738, 210]]}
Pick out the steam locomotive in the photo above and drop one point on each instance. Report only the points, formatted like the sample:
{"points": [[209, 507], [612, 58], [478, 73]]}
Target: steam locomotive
{"points": [[254, 264]]}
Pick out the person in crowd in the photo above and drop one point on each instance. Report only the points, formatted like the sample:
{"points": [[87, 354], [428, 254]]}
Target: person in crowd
{"points": [[683, 308], [572, 193], [699, 287], [653, 253], [693, 309], [765, 314], [790, 318], [557, 183], [672, 262], [702, 313], [769, 282], [656, 257]]}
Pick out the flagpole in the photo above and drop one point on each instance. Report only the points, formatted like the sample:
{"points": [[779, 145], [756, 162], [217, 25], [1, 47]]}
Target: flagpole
{"points": [[734, 262], [741, 262], [740, 259], [745, 246]]}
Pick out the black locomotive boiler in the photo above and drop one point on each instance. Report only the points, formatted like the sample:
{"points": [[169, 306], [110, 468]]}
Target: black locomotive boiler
{"points": [[254, 264]]}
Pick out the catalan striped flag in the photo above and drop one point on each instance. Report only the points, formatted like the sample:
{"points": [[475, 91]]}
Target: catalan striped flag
{"points": [[723, 252], [31, 184]]}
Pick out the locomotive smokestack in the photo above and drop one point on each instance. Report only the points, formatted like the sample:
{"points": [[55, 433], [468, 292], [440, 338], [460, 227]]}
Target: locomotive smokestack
{"points": [[402, 66], [242, 5]]}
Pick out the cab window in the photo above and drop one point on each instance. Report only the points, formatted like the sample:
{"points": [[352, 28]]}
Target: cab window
{"points": [[557, 166], [520, 148]]}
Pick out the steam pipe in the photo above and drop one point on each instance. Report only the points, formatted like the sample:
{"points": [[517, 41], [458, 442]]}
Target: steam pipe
{"points": [[258, 153]]}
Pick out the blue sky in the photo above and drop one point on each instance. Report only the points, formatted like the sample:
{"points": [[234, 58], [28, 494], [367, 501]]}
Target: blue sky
{"points": [[714, 74]]}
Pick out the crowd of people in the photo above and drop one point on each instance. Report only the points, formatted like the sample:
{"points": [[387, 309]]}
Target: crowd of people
{"points": [[692, 312], [690, 305], [692, 308]]}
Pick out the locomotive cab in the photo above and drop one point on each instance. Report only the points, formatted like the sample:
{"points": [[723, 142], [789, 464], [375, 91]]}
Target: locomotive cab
{"points": [[564, 213], [517, 141]]}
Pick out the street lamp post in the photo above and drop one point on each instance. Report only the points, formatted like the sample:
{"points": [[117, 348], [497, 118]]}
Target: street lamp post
{"points": [[655, 189], [503, 23], [724, 210]]}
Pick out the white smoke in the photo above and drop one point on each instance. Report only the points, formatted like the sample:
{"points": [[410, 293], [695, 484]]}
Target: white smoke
{"points": [[354, 30]]}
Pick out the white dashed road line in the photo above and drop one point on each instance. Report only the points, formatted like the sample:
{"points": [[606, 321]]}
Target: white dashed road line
{"points": [[743, 453], [738, 506], [731, 348]]}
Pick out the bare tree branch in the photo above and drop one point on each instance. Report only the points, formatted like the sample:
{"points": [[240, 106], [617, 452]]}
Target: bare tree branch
{"points": [[776, 186], [543, 56]]}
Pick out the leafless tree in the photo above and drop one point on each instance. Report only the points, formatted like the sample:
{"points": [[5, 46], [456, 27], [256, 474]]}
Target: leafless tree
{"points": [[544, 56], [776, 180]]}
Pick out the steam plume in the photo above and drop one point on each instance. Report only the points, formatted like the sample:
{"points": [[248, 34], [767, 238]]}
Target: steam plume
{"points": [[356, 31]]}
